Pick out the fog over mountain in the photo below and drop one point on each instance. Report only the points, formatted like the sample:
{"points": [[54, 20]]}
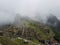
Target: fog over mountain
{"points": [[9, 8]]}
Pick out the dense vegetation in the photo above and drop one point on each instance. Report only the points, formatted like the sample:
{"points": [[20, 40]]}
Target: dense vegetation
{"points": [[54, 23]]}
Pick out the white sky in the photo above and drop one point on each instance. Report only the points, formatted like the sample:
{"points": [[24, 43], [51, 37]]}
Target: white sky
{"points": [[8, 8]]}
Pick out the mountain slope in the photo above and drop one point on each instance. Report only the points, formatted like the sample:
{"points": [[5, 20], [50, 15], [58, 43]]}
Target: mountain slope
{"points": [[29, 30]]}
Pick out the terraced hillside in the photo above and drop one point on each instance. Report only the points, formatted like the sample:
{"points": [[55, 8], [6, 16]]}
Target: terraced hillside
{"points": [[30, 33]]}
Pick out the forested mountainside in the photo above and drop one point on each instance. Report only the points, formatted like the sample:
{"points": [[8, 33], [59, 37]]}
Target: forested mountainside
{"points": [[29, 32], [54, 23]]}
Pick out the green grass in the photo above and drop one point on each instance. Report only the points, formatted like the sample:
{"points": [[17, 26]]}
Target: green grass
{"points": [[21, 42], [37, 29], [16, 41], [7, 41]]}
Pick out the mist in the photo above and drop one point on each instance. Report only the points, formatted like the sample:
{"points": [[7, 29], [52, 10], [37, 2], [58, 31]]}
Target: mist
{"points": [[9, 9]]}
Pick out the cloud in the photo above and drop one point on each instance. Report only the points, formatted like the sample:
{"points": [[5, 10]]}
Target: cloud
{"points": [[30, 7], [8, 8]]}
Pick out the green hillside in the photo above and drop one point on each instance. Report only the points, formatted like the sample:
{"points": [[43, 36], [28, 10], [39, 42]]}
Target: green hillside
{"points": [[31, 33]]}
